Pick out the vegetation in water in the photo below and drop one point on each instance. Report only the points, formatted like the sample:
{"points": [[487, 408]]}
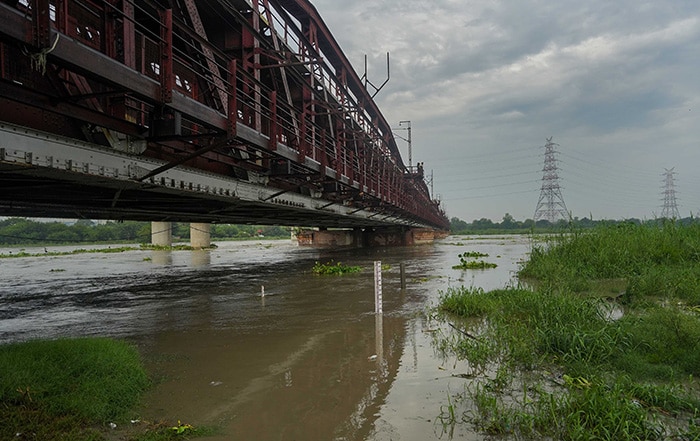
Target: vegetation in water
{"points": [[554, 362], [331, 268], [472, 254], [467, 260]]}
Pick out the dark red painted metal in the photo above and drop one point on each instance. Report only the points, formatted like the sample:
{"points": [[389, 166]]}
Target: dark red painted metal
{"points": [[167, 81], [41, 23], [276, 69]]}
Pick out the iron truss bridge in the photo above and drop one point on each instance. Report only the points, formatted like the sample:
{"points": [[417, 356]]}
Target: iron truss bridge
{"points": [[236, 111]]}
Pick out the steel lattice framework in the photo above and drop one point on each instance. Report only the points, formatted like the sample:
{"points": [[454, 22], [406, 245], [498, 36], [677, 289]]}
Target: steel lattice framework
{"points": [[550, 205], [670, 207], [256, 95]]}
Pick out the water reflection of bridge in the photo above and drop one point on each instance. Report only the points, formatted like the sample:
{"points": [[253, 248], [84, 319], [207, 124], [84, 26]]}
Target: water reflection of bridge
{"points": [[204, 111]]}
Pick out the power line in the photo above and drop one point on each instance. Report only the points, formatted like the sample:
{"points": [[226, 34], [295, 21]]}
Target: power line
{"points": [[483, 196], [482, 178], [492, 186]]}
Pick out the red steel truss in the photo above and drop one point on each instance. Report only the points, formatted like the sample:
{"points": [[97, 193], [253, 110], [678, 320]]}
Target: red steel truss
{"points": [[257, 90]]}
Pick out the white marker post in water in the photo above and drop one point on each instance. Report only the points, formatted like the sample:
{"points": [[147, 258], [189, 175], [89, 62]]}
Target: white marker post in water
{"points": [[378, 287]]}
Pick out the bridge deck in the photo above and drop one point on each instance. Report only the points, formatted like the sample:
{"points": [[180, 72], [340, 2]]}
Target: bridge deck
{"points": [[219, 111]]}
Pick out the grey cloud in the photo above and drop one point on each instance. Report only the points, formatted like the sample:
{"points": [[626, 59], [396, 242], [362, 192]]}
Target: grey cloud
{"points": [[609, 78]]}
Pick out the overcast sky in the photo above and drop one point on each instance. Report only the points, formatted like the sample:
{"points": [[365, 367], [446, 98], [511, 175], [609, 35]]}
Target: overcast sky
{"points": [[485, 82]]}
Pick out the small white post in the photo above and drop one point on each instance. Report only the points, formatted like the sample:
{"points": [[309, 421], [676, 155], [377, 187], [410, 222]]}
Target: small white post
{"points": [[378, 287]]}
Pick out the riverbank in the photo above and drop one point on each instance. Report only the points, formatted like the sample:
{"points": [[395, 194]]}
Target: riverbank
{"points": [[607, 346], [68, 389], [84, 389]]}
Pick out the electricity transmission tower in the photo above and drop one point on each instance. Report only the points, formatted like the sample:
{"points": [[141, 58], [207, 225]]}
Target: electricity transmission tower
{"points": [[670, 208], [551, 204]]}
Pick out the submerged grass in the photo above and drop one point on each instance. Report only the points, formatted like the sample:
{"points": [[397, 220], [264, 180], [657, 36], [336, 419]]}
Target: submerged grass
{"points": [[595, 377]]}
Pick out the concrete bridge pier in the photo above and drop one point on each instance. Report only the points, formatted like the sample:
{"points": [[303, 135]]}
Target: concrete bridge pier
{"points": [[200, 235], [369, 237], [162, 234]]}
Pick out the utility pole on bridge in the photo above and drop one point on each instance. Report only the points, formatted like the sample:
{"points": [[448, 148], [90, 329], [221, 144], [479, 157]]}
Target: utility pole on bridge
{"points": [[408, 140]]}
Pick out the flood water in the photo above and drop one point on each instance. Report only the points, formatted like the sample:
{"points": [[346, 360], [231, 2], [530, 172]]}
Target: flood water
{"points": [[309, 360]]}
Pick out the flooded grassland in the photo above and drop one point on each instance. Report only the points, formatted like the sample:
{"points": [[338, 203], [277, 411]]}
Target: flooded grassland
{"points": [[607, 346]]}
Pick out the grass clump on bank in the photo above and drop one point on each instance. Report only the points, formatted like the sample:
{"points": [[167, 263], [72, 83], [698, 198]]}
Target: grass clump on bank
{"points": [[78, 390], [67, 389], [334, 269], [563, 362]]}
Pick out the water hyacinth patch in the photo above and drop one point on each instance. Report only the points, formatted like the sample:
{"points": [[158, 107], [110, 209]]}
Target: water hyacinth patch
{"points": [[334, 269], [467, 260]]}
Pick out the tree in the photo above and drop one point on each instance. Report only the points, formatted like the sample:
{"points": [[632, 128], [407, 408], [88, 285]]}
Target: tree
{"points": [[457, 225], [508, 222], [482, 224]]}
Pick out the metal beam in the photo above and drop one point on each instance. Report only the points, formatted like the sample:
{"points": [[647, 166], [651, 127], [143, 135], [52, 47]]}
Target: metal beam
{"points": [[97, 176]]}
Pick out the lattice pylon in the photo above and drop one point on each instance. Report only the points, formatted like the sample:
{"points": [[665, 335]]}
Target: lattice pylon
{"points": [[670, 207], [550, 205]]}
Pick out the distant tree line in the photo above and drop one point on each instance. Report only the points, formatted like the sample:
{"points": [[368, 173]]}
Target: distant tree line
{"points": [[510, 225], [21, 231]]}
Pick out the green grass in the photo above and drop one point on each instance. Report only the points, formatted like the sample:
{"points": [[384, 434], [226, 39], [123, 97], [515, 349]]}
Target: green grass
{"points": [[64, 389], [636, 252], [564, 369], [72, 389]]}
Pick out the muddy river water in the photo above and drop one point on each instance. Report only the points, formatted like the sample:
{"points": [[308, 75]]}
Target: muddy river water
{"points": [[307, 361]]}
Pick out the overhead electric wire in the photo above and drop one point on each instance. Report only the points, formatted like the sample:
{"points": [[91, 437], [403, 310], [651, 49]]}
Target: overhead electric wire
{"points": [[482, 178], [533, 191], [495, 186]]}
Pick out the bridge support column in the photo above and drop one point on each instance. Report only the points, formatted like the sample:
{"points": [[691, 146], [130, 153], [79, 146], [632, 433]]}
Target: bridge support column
{"points": [[162, 234], [200, 235], [418, 236], [370, 237], [333, 238], [385, 237]]}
